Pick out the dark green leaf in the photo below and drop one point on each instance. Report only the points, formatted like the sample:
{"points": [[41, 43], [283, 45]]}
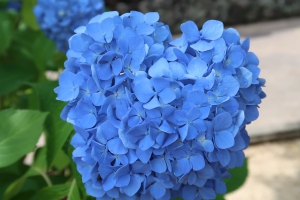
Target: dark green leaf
{"points": [[68, 190], [27, 13], [57, 62], [238, 178], [57, 129], [24, 195], [6, 28], [10, 174], [13, 76], [220, 197], [19, 133], [61, 160], [37, 168], [43, 50]]}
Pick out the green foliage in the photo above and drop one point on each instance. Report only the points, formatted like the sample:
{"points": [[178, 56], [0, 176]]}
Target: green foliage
{"points": [[6, 29], [28, 109], [69, 190], [27, 14], [57, 130], [26, 133], [13, 76]]}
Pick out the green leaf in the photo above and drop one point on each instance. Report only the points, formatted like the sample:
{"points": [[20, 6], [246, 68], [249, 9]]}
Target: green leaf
{"points": [[43, 50], [28, 15], [57, 129], [61, 160], [68, 190], [220, 197], [10, 174], [19, 133], [6, 29], [37, 168], [238, 178], [13, 76]]}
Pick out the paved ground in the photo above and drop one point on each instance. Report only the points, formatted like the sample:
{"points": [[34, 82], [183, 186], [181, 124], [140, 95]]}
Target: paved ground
{"points": [[274, 172], [277, 45]]}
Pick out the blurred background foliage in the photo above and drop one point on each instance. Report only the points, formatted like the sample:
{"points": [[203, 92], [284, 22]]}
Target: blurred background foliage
{"points": [[29, 66]]}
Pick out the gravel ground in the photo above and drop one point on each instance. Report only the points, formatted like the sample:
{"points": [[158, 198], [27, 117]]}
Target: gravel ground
{"points": [[274, 172]]}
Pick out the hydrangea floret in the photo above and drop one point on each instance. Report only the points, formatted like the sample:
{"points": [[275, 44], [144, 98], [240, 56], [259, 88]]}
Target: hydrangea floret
{"points": [[156, 118], [59, 18]]}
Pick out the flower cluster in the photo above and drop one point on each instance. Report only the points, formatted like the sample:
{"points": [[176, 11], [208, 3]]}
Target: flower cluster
{"points": [[59, 18], [156, 118], [14, 5]]}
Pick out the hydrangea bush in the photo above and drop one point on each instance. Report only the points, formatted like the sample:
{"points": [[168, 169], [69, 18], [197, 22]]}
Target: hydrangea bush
{"points": [[59, 18], [157, 118]]}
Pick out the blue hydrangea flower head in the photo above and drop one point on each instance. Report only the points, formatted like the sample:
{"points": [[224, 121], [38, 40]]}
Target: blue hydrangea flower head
{"points": [[157, 119], [59, 18]]}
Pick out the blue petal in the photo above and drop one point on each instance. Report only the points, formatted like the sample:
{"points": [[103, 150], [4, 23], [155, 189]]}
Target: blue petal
{"points": [[158, 165], [157, 190], [197, 67], [154, 103], [91, 190], [231, 84], [197, 162], [235, 59], [177, 70], [189, 192], [146, 142], [157, 69], [87, 120], [244, 77], [144, 156], [167, 95], [169, 54], [208, 146], [207, 193], [183, 131], [143, 91], [107, 26], [182, 58], [116, 146], [223, 156], [184, 165], [161, 33], [133, 186], [224, 139], [123, 181], [251, 113], [151, 17], [246, 44], [180, 43], [109, 182], [202, 45], [144, 29], [222, 121], [108, 130], [159, 83], [116, 66], [190, 30], [94, 30], [231, 36], [212, 29], [79, 43]]}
